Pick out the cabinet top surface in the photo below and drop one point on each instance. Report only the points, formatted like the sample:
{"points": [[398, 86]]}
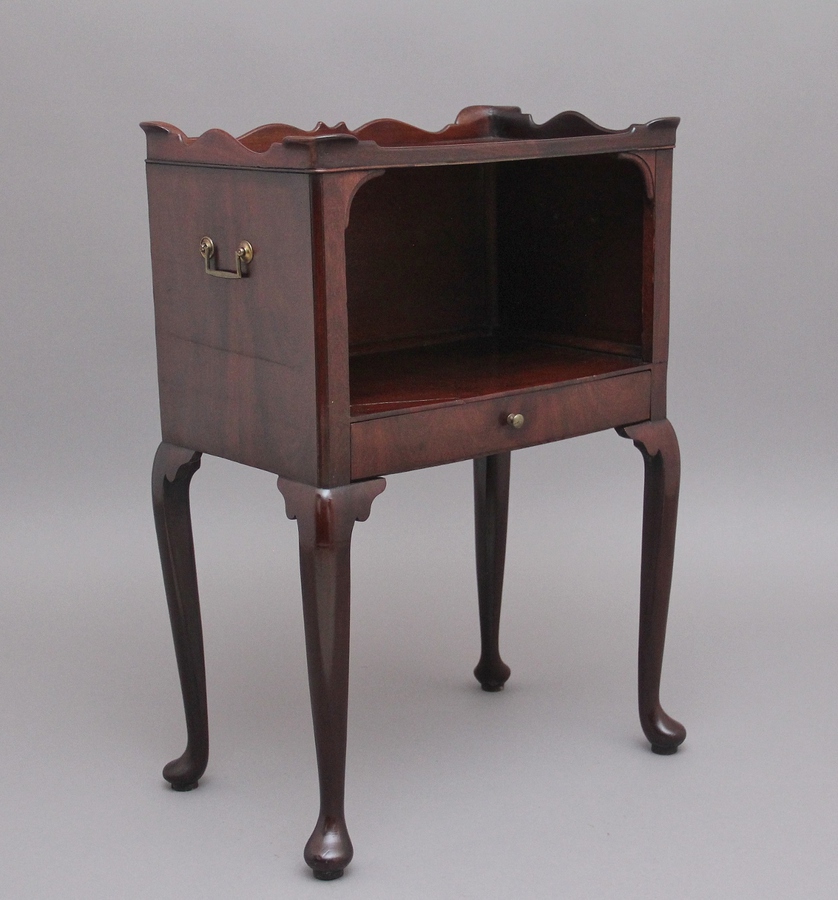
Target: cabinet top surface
{"points": [[479, 134]]}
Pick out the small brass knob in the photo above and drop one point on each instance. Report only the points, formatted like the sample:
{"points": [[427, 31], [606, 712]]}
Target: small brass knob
{"points": [[245, 252], [207, 247], [516, 420]]}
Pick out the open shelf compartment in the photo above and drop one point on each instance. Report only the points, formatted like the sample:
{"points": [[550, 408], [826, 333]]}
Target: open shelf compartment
{"points": [[475, 280]]}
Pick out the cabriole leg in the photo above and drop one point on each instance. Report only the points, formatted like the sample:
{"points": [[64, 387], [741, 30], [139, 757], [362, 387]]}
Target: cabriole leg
{"points": [[491, 507], [325, 517], [173, 470], [659, 446]]}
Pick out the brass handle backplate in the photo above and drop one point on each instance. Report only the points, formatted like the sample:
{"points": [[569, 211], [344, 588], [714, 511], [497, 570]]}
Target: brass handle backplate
{"points": [[516, 420], [244, 254]]}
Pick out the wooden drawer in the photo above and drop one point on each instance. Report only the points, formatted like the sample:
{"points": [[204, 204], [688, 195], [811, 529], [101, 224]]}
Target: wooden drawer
{"points": [[429, 437]]}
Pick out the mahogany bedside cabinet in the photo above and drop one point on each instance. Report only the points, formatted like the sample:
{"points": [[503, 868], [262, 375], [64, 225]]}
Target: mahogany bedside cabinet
{"points": [[334, 305]]}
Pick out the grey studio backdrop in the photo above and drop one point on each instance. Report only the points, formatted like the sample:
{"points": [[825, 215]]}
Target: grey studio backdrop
{"points": [[546, 790]]}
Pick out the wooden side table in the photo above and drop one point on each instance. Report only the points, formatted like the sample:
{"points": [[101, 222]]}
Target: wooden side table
{"points": [[335, 305]]}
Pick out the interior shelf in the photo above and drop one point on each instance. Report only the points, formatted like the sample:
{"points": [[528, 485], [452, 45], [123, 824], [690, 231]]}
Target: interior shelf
{"points": [[399, 380]]}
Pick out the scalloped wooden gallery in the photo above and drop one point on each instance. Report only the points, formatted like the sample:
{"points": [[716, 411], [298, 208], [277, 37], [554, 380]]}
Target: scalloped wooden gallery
{"points": [[333, 306]]}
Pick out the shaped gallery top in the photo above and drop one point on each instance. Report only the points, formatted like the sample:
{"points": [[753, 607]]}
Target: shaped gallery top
{"points": [[479, 134]]}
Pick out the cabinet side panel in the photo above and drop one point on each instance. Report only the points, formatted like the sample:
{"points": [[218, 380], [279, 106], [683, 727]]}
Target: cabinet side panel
{"points": [[233, 406], [235, 356], [570, 249]]}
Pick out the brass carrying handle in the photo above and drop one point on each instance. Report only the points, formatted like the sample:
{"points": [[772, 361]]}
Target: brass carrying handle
{"points": [[244, 254]]}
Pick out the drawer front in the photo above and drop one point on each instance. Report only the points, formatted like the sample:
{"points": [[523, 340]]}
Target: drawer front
{"points": [[429, 437]]}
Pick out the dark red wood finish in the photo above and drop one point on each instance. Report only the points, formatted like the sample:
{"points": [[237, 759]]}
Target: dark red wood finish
{"points": [[172, 472], [476, 428], [491, 510], [236, 358], [659, 446], [481, 133], [325, 518], [413, 299]]}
